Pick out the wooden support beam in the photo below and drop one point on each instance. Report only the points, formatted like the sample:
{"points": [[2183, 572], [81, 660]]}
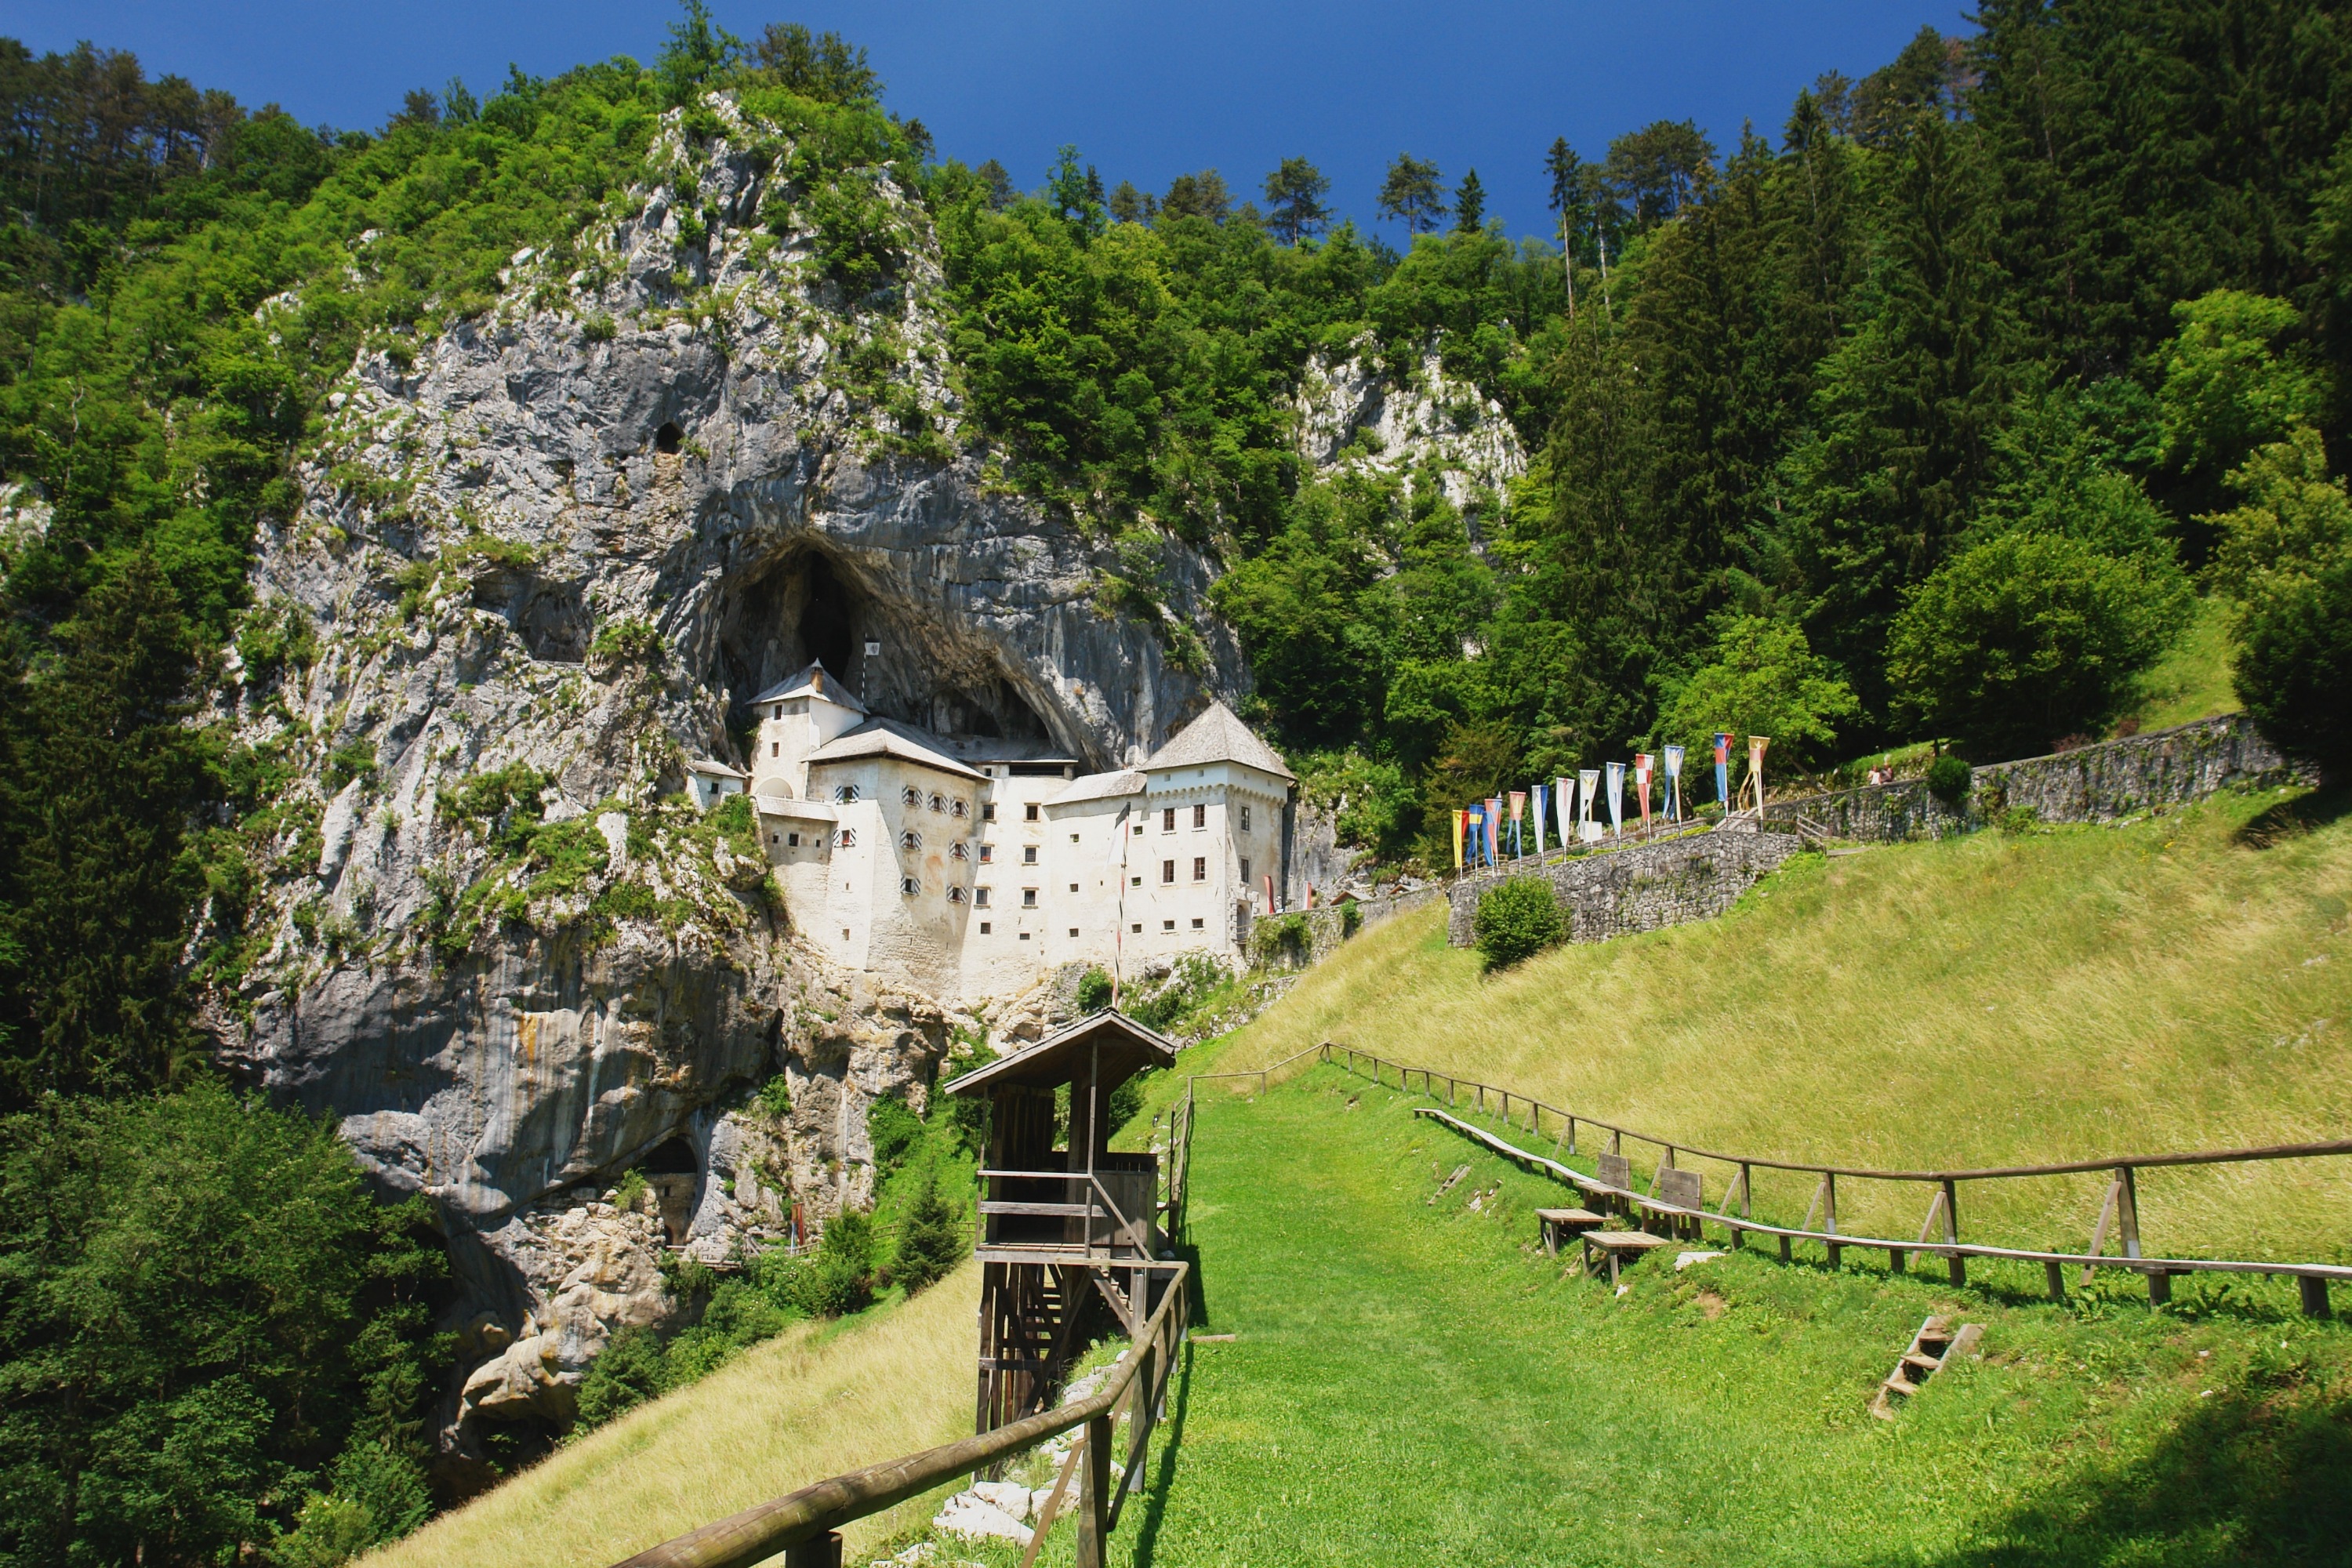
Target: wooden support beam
{"points": [[1094, 1495], [816, 1551], [2314, 1296]]}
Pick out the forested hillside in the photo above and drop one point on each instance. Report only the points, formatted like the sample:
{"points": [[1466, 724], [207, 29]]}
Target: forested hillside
{"points": [[1927, 414]]}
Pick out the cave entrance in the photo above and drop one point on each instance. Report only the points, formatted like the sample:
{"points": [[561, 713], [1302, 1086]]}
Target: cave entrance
{"points": [[826, 630], [672, 1173]]}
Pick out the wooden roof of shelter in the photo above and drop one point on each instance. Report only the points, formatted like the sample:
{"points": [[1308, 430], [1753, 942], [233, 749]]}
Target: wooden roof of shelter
{"points": [[1126, 1048]]}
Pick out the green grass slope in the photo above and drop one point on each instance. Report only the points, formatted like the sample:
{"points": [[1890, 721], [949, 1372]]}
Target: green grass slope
{"points": [[814, 1401], [2179, 983], [1414, 1381]]}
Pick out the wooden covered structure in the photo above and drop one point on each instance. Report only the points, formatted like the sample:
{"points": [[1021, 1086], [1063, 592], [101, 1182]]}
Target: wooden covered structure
{"points": [[1064, 1222]]}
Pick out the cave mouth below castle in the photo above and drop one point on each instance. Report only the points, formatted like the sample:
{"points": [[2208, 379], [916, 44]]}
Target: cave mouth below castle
{"points": [[806, 608]]}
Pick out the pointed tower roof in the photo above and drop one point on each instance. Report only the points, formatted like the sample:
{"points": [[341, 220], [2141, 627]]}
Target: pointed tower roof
{"points": [[815, 681], [1218, 735]]}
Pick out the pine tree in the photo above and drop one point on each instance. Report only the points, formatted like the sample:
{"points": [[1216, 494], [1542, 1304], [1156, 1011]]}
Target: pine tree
{"points": [[1470, 205], [1294, 199], [1410, 194]]}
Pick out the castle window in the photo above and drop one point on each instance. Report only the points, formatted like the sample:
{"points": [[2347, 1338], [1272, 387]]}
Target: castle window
{"points": [[1200, 867], [1025, 936], [985, 927], [1073, 839], [1074, 887], [1028, 898], [911, 795], [988, 854], [939, 803], [774, 838], [988, 811], [775, 748], [1137, 928], [958, 851], [1029, 812], [1196, 923], [1245, 819], [910, 839], [1028, 854], [844, 794], [1244, 867], [980, 897], [1168, 870], [908, 886], [1166, 925], [792, 840], [1200, 816], [1074, 931], [1168, 820], [958, 810], [955, 895], [848, 839], [1135, 881]]}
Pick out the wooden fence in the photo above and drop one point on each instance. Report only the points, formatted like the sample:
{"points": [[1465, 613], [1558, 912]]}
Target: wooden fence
{"points": [[1940, 1234]]}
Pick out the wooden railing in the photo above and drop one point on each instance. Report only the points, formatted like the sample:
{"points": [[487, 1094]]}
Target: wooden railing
{"points": [[1940, 1234], [805, 1525]]}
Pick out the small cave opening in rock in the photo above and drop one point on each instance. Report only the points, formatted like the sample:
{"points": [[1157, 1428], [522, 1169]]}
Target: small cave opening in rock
{"points": [[668, 438], [671, 1159]]}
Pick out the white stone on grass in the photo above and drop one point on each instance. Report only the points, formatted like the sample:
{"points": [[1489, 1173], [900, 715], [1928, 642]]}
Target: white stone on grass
{"points": [[1010, 1496], [971, 1518], [1685, 1260]]}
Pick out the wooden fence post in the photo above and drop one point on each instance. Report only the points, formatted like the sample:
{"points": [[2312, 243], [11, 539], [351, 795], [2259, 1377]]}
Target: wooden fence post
{"points": [[816, 1551], [1094, 1495], [2315, 1295], [1960, 1266]]}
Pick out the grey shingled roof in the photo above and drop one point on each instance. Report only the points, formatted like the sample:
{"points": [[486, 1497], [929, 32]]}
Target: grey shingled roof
{"points": [[816, 679], [1218, 736], [888, 738], [1101, 786]]}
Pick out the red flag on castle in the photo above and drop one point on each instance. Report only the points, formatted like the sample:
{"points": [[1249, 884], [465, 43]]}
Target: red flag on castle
{"points": [[1641, 765]]}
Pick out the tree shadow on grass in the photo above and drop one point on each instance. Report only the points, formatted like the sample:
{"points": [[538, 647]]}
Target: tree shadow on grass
{"points": [[2256, 1475], [2294, 816]]}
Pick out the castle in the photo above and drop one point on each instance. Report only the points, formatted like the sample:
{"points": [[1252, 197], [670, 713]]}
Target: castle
{"points": [[971, 867]]}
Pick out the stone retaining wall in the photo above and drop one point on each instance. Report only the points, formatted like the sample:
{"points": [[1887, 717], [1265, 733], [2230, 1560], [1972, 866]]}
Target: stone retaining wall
{"points": [[2094, 783], [1647, 888], [1329, 926]]}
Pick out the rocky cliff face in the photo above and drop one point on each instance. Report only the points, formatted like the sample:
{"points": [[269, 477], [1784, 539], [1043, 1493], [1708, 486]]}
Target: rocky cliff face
{"points": [[541, 561]]}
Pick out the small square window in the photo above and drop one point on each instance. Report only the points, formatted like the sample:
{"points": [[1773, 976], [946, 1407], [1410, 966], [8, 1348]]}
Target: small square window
{"points": [[872, 648], [908, 886], [911, 795], [988, 811], [1073, 839], [1137, 928], [955, 895], [988, 854], [958, 810], [1196, 923], [1074, 931], [1029, 812], [910, 839], [1245, 819], [985, 927], [958, 851], [1074, 887], [939, 803], [1028, 898], [1135, 881], [1025, 936], [773, 838], [849, 838], [1139, 830], [980, 897], [1200, 867], [1168, 870], [844, 934], [1028, 854], [792, 840], [1200, 816], [1166, 925]]}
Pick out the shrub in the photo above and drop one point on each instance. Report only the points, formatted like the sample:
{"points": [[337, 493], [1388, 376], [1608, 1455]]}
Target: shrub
{"points": [[629, 1189], [929, 1239], [1094, 991], [1948, 779], [2027, 636], [2293, 637], [629, 1370], [1280, 938], [841, 1279], [892, 1129], [598, 329], [775, 1097], [1516, 920], [626, 641]]}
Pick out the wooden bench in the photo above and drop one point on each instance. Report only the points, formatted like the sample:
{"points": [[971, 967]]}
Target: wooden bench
{"points": [[1553, 1224], [1614, 1170], [1677, 1190], [1615, 1244]]}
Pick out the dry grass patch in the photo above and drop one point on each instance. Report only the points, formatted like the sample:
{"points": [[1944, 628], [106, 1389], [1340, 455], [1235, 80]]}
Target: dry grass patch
{"points": [[814, 1401], [1990, 1000]]}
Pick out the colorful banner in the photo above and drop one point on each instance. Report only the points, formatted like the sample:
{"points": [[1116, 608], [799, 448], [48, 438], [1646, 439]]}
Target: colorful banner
{"points": [[1673, 784], [1756, 744], [1642, 785], [1269, 895], [1616, 797], [1723, 771], [1518, 810], [1536, 799], [1476, 818], [1495, 830], [1563, 797], [1459, 817], [1588, 787]]}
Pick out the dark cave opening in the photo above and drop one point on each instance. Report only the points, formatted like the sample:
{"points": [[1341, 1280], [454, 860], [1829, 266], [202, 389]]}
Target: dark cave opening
{"points": [[668, 438]]}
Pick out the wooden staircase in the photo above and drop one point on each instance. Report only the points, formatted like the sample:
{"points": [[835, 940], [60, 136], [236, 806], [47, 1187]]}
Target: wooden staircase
{"points": [[1931, 1347]]}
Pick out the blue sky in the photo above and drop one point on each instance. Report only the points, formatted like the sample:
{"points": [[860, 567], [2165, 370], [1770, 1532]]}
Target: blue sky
{"points": [[1145, 91]]}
